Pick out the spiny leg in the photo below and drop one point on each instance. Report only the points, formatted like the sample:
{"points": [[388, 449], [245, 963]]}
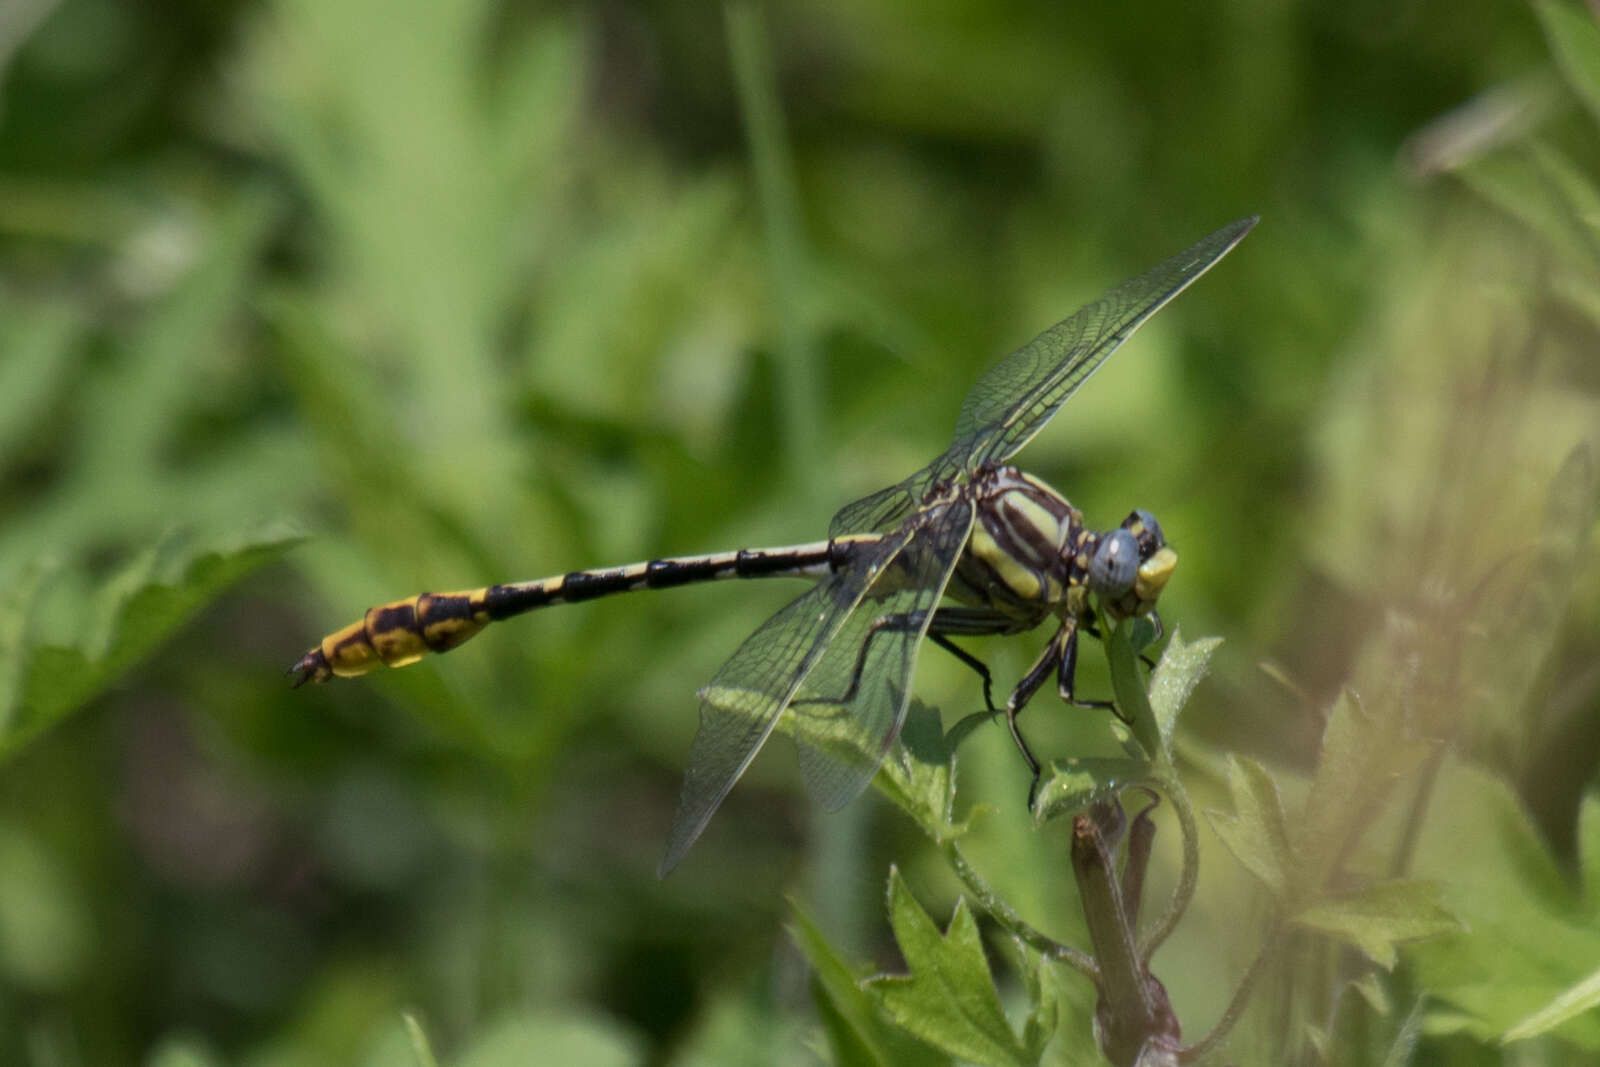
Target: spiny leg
{"points": [[1030, 683], [962, 621], [971, 622], [972, 661], [1066, 677], [944, 621]]}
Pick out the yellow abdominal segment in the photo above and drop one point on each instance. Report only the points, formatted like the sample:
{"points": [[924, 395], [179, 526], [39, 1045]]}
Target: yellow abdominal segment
{"points": [[402, 632]]}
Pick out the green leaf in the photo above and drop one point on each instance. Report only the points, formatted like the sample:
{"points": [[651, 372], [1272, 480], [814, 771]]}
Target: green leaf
{"points": [[1133, 702], [1404, 1047], [858, 1033], [1581, 999], [1256, 833], [919, 774], [1378, 916], [141, 608], [1044, 1012], [1153, 715], [1181, 668], [1362, 755], [1372, 990], [948, 999], [1575, 43], [1589, 854], [1077, 782], [421, 1047], [1530, 937]]}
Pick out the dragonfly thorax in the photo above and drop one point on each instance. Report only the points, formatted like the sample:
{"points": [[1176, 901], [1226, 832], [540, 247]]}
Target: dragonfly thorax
{"points": [[1022, 557], [1030, 555]]}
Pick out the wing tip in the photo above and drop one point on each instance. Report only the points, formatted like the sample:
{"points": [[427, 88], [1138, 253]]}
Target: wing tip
{"points": [[684, 833], [1239, 228]]}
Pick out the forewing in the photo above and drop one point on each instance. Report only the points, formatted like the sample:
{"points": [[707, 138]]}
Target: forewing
{"points": [[741, 705], [884, 510], [1021, 393], [888, 509], [851, 706]]}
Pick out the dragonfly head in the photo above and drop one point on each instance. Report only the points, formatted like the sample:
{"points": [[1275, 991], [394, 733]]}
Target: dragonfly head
{"points": [[1130, 566]]}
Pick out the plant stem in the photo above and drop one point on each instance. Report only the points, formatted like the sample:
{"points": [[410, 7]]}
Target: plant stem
{"points": [[1418, 813], [1013, 923], [1188, 877], [1241, 996]]}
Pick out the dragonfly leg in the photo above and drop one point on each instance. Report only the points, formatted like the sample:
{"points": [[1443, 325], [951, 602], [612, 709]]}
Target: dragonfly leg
{"points": [[971, 661], [882, 624], [1047, 661], [1066, 676], [944, 621]]}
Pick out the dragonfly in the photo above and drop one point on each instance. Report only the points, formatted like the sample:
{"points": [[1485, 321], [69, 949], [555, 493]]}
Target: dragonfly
{"points": [[967, 546]]}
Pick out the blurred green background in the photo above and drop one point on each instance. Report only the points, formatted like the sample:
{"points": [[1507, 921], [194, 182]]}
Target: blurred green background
{"points": [[465, 292]]}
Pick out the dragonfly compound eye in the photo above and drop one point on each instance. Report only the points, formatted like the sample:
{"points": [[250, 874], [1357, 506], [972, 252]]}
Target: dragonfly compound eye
{"points": [[1146, 530], [1115, 564]]}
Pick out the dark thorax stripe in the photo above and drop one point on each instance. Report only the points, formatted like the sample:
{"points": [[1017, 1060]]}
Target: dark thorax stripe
{"points": [[1017, 537]]}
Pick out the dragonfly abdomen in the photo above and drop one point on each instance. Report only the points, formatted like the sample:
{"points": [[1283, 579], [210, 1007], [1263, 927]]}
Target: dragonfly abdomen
{"points": [[402, 632]]}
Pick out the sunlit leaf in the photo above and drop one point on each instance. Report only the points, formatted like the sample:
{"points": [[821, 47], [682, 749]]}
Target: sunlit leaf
{"points": [[858, 1032], [948, 999], [918, 775], [1044, 1010], [143, 606], [1581, 999], [1181, 668], [1072, 784]]}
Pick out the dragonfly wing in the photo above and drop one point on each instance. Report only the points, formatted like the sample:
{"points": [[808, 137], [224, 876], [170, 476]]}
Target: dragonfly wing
{"points": [[885, 509], [741, 705], [1021, 393], [888, 508], [850, 708]]}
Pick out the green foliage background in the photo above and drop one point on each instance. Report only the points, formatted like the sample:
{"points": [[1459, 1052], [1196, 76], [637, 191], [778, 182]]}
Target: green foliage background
{"points": [[461, 292]]}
